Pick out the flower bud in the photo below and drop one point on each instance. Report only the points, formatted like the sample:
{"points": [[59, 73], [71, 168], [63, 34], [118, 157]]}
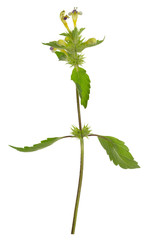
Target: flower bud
{"points": [[67, 39], [91, 41], [61, 42]]}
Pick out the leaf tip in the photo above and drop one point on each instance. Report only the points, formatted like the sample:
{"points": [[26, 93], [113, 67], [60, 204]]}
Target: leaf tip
{"points": [[13, 147]]}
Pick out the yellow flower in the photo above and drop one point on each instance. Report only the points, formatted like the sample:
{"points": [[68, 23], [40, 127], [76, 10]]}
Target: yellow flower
{"points": [[74, 15], [63, 18], [62, 50], [62, 43]]}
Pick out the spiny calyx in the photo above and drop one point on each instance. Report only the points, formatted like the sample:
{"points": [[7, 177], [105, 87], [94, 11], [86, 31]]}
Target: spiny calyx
{"points": [[81, 133]]}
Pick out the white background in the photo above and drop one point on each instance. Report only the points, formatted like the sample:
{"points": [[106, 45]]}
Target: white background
{"points": [[37, 97]]}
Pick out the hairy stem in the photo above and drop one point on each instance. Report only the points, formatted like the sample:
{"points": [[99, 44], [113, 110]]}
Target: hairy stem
{"points": [[81, 168]]}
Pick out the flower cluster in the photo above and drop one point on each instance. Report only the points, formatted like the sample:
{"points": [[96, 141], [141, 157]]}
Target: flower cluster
{"points": [[69, 49]]}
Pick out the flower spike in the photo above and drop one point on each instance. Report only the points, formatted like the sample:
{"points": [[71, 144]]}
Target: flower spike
{"points": [[63, 18], [74, 15]]}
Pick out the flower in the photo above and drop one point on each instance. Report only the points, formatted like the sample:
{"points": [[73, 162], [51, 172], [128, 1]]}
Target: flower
{"points": [[74, 15], [63, 18], [55, 49], [63, 51], [52, 49]]}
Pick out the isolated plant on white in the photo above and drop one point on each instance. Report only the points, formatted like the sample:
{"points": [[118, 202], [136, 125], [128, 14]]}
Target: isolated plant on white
{"points": [[69, 49]]}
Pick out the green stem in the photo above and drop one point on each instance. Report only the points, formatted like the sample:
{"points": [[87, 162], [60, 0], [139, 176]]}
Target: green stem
{"points": [[78, 109], [81, 169]]}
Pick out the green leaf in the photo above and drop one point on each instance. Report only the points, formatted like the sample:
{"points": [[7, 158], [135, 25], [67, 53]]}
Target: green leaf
{"points": [[55, 45], [61, 56], [75, 34], [64, 34], [97, 43], [42, 144], [81, 30], [118, 152], [82, 81], [84, 45], [100, 41]]}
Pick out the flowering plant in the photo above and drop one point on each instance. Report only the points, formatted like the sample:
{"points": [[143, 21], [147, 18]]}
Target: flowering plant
{"points": [[70, 50]]}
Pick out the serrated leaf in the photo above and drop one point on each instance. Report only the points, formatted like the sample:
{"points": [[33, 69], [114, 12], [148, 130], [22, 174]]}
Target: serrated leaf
{"points": [[118, 152], [42, 144], [61, 56], [82, 81]]}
